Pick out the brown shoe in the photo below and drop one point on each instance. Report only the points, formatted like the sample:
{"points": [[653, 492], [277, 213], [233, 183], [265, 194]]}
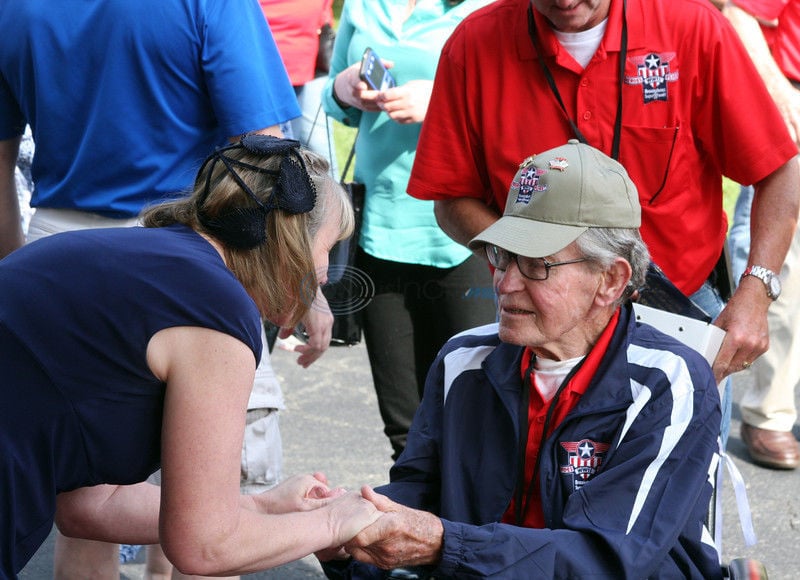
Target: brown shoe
{"points": [[775, 449]]}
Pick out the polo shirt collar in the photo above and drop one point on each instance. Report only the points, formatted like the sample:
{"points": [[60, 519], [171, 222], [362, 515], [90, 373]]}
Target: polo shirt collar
{"points": [[611, 40]]}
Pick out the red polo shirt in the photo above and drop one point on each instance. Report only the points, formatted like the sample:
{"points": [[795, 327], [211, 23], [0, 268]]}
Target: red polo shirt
{"points": [[694, 108]]}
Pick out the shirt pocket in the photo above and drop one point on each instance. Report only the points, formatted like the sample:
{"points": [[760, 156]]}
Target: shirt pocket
{"points": [[650, 154]]}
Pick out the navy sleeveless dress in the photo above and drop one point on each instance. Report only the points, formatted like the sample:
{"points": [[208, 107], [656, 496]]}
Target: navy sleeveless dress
{"points": [[78, 403]]}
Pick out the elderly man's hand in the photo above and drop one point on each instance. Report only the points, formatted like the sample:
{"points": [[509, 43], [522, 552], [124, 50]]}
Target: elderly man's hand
{"points": [[745, 321], [402, 537]]}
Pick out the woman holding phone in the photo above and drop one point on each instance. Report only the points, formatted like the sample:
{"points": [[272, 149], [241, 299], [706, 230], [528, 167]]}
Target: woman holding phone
{"points": [[427, 286]]}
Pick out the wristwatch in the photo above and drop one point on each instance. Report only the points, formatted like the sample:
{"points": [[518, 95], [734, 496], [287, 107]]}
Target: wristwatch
{"points": [[768, 277]]}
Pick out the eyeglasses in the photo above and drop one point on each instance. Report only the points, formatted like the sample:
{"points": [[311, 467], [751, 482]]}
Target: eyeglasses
{"points": [[531, 268]]}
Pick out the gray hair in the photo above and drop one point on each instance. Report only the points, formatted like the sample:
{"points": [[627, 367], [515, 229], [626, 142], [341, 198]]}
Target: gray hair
{"points": [[602, 245]]}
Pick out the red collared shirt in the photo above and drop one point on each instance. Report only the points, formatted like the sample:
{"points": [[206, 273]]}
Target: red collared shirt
{"points": [[694, 108]]}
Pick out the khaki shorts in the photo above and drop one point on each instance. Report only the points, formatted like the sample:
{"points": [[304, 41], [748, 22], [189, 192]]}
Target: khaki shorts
{"points": [[262, 453]]}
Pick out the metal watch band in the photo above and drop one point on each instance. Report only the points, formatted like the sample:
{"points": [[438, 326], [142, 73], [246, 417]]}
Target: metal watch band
{"points": [[767, 276]]}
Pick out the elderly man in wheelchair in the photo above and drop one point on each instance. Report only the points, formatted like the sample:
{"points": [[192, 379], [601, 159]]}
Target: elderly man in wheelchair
{"points": [[568, 440]]}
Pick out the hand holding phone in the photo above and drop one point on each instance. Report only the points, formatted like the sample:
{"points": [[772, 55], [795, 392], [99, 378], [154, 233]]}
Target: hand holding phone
{"points": [[374, 73]]}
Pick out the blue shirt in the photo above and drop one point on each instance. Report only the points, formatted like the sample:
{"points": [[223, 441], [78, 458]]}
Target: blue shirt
{"points": [[79, 405], [396, 226], [126, 98]]}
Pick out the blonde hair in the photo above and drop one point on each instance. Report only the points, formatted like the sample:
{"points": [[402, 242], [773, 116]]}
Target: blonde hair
{"points": [[279, 274]]}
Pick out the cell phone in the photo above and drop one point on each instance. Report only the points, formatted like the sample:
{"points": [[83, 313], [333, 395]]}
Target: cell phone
{"points": [[374, 73]]}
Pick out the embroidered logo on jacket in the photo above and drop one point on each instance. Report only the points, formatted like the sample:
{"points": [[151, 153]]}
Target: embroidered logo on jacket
{"points": [[584, 458], [654, 72]]}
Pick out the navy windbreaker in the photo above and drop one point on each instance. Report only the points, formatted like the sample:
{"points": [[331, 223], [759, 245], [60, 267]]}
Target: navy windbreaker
{"points": [[625, 479]]}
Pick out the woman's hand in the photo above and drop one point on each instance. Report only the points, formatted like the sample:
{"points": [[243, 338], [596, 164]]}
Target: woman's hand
{"points": [[348, 515], [297, 493], [407, 103], [352, 91], [318, 325]]}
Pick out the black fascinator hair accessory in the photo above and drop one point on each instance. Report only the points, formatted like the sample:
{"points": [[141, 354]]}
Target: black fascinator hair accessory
{"points": [[293, 191]]}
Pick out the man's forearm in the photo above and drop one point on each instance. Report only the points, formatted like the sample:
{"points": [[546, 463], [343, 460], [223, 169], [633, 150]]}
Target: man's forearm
{"points": [[774, 216], [751, 35], [463, 218], [11, 236]]}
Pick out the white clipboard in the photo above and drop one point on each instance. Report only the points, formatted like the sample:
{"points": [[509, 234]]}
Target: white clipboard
{"points": [[704, 337]]}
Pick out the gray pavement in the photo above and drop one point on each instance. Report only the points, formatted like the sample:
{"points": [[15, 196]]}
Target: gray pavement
{"points": [[332, 425]]}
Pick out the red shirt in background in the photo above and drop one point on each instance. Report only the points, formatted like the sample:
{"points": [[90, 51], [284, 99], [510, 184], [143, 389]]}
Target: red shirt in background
{"points": [[783, 39], [295, 26]]}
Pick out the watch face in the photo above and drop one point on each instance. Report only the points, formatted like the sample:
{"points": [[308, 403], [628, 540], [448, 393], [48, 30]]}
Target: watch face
{"points": [[774, 286]]}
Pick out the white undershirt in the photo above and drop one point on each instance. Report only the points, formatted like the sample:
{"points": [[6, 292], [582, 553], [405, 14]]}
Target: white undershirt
{"points": [[549, 374], [582, 45]]}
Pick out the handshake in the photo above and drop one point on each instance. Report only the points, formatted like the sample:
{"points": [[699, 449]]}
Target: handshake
{"points": [[363, 525]]}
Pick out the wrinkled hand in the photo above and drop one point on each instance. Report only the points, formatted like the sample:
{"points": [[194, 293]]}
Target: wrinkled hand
{"points": [[402, 537], [745, 321], [318, 323], [348, 515], [350, 89], [408, 103], [297, 493]]}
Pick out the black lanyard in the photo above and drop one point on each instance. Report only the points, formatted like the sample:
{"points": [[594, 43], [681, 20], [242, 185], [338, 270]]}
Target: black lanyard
{"points": [[521, 495], [552, 83]]}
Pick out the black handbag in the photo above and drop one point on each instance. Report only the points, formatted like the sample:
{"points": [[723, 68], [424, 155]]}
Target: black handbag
{"points": [[325, 52], [348, 289]]}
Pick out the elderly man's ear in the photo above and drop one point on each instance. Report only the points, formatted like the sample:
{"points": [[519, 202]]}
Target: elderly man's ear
{"points": [[615, 280]]}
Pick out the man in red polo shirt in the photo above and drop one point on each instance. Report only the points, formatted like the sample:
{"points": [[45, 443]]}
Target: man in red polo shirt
{"points": [[770, 31], [664, 87]]}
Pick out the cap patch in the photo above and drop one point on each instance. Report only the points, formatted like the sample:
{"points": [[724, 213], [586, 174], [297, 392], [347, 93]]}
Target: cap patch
{"points": [[559, 163], [527, 183]]}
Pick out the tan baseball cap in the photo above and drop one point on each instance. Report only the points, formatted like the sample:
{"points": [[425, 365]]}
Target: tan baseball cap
{"points": [[559, 194]]}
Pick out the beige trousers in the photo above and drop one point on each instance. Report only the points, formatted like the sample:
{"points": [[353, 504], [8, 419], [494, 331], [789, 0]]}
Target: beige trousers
{"points": [[770, 402]]}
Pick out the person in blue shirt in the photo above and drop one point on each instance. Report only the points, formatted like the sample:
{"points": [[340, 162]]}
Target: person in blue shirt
{"points": [[122, 349], [125, 99], [427, 286]]}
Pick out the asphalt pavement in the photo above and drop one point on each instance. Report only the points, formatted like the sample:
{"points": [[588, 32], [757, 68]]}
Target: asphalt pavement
{"points": [[331, 424]]}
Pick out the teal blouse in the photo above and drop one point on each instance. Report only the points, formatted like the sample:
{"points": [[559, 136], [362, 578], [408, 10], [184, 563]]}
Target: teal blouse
{"points": [[396, 226]]}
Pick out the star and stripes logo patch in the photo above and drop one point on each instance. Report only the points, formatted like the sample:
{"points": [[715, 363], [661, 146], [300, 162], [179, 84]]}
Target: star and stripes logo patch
{"points": [[654, 72], [583, 459], [527, 183]]}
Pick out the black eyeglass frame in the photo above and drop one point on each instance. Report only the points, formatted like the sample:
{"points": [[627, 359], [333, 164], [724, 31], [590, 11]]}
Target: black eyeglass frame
{"points": [[493, 254]]}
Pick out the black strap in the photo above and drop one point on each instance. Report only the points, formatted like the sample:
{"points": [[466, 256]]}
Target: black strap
{"points": [[522, 451], [349, 157], [522, 495], [554, 88]]}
